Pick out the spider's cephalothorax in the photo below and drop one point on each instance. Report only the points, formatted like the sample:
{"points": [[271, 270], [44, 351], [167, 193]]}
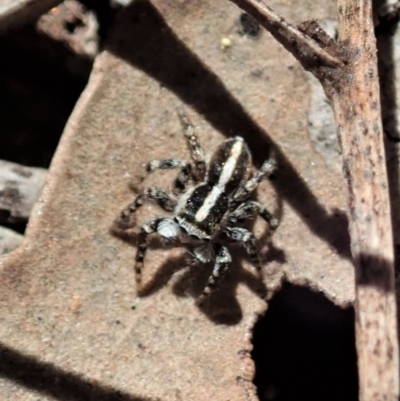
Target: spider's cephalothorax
{"points": [[212, 200]]}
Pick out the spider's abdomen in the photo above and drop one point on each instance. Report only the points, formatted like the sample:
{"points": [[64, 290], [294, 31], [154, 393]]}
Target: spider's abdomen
{"points": [[202, 210], [229, 165]]}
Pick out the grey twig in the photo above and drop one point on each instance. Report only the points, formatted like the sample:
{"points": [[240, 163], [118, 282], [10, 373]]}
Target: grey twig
{"points": [[20, 188]]}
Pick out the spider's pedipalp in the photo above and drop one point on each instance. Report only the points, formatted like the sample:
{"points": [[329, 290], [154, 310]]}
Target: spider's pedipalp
{"points": [[168, 229], [204, 253]]}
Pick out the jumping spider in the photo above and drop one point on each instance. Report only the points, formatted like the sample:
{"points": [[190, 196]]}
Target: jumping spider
{"points": [[212, 199]]}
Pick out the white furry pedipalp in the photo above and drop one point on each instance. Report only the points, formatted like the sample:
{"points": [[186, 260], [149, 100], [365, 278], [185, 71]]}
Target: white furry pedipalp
{"points": [[168, 229], [204, 253]]}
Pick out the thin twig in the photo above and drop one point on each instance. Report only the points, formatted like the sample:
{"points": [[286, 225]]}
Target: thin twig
{"points": [[353, 90], [305, 49]]}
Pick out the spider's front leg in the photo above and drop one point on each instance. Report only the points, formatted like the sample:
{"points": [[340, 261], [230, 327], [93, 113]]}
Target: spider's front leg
{"points": [[222, 260], [126, 218], [249, 242], [167, 229], [251, 209]]}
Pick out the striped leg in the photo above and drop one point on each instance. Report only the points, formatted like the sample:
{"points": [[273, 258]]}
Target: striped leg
{"points": [[222, 261], [126, 218], [145, 230], [249, 242], [251, 209], [168, 164], [195, 148], [250, 185]]}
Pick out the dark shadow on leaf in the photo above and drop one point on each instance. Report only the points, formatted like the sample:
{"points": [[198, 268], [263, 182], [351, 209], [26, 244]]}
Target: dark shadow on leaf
{"points": [[222, 306], [163, 275], [270, 252], [49, 380], [142, 38]]}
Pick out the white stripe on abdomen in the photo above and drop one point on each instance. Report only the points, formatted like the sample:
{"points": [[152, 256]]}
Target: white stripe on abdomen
{"points": [[219, 188], [208, 204], [230, 164]]}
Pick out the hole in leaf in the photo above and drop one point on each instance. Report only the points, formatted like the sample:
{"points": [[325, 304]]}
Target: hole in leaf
{"points": [[304, 349], [70, 26]]}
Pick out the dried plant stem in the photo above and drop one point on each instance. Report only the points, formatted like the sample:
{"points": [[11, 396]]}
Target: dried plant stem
{"points": [[352, 85], [356, 105], [293, 39]]}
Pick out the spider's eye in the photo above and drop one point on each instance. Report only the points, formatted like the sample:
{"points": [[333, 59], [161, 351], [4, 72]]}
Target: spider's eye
{"points": [[192, 236], [183, 230]]}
